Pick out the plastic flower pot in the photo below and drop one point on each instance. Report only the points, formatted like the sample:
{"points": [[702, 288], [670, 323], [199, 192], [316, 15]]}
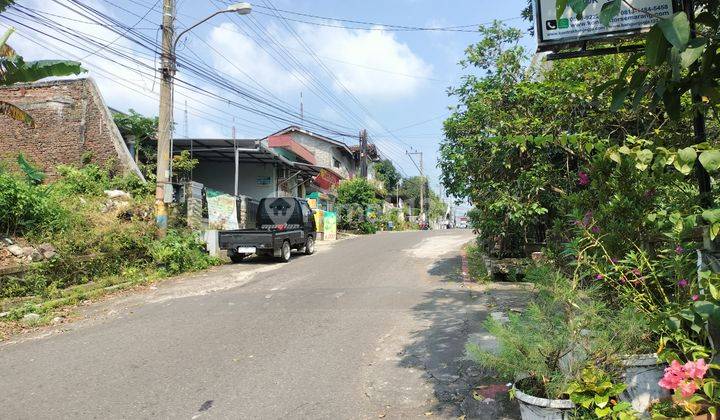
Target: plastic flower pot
{"points": [[642, 372], [535, 408]]}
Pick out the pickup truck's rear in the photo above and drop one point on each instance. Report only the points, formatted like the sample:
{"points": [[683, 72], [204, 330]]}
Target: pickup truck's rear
{"points": [[283, 224]]}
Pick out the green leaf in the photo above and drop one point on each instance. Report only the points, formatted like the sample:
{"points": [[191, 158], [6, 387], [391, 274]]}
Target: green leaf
{"points": [[710, 160], [714, 292], [655, 47], [33, 174], [694, 51], [676, 30], [560, 6], [19, 71], [709, 389], [643, 158], [618, 97], [578, 6], [711, 215], [602, 400], [602, 412], [685, 159], [609, 11], [671, 100], [705, 309], [673, 323]]}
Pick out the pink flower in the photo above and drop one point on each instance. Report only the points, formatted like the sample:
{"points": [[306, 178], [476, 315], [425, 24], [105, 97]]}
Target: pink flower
{"points": [[595, 229], [679, 250], [688, 388], [695, 298], [697, 369], [683, 283], [584, 178], [674, 375], [599, 277], [637, 272]]}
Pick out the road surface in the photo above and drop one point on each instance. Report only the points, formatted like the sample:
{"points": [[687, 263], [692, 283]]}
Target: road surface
{"points": [[370, 327]]}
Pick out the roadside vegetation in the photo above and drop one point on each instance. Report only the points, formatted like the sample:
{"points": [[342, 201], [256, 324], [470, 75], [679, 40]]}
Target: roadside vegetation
{"points": [[594, 162], [99, 240]]}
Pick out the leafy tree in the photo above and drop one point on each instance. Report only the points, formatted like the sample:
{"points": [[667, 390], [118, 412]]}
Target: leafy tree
{"points": [[410, 191], [385, 171], [13, 69], [143, 131], [523, 139], [356, 197]]}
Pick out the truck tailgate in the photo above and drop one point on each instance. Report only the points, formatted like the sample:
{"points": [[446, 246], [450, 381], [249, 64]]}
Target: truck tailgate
{"points": [[245, 238]]}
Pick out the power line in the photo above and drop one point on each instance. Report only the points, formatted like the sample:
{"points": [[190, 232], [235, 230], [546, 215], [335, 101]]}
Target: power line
{"points": [[374, 25]]}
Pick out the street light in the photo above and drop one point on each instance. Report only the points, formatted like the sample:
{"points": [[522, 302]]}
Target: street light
{"points": [[163, 191]]}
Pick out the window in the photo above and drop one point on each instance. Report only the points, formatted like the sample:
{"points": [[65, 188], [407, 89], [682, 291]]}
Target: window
{"points": [[336, 163]]}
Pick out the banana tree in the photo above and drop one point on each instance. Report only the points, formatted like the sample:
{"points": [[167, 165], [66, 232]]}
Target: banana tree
{"points": [[13, 69]]}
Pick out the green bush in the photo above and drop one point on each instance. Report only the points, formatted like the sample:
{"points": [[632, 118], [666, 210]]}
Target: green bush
{"points": [[25, 207], [180, 251], [476, 265], [355, 198], [562, 331]]}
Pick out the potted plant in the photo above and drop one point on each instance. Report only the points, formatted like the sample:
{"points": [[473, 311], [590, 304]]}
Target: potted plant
{"points": [[596, 393], [546, 348]]}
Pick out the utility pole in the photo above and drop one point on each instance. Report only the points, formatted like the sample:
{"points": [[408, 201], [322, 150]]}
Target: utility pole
{"points": [[422, 182], [187, 129], [167, 72], [363, 154]]}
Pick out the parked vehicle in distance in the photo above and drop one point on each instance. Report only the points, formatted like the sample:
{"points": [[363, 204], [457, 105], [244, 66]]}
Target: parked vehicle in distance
{"points": [[463, 224], [282, 225]]}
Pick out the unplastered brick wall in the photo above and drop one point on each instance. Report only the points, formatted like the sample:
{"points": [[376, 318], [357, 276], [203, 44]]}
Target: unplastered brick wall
{"points": [[71, 121]]}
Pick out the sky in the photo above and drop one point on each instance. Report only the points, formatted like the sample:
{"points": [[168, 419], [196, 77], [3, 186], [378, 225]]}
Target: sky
{"points": [[392, 83]]}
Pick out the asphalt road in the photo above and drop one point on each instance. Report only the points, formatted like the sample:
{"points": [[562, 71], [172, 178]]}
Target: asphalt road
{"points": [[367, 328]]}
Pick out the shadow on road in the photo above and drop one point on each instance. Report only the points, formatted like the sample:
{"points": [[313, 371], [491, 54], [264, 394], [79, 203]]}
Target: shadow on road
{"points": [[448, 270], [452, 314]]}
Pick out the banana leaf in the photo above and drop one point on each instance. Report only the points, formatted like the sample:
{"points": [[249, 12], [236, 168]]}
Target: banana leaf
{"points": [[16, 113]]}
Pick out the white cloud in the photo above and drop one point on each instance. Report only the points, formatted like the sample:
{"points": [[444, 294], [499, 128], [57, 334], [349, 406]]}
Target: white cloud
{"points": [[375, 49], [236, 54]]}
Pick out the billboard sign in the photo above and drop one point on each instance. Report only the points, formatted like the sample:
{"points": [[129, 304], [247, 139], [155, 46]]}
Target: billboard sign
{"points": [[569, 30]]}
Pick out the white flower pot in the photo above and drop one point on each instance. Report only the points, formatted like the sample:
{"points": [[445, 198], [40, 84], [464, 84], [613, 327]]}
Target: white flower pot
{"points": [[534, 408], [642, 373]]}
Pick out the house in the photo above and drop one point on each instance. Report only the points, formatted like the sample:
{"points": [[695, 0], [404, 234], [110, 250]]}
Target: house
{"points": [[247, 167], [291, 162], [72, 126]]}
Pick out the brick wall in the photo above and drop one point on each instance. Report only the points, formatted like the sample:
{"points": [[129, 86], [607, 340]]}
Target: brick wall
{"points": [[71, 119]]}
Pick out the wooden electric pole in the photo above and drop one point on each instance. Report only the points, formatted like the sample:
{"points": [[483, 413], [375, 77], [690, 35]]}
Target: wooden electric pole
{"points": [[422, 182], [165, 117], [363, 154]]}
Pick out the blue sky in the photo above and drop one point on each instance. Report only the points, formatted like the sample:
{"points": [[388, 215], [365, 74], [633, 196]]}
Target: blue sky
{"points": [[397, 79]]}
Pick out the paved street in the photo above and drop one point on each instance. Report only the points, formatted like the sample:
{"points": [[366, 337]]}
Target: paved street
{"points": [[363, 329]]}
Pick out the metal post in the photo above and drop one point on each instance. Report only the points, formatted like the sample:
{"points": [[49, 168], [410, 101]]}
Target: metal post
{"points": [[167, 71], [237, 170], [706, 200], [422, 189]]}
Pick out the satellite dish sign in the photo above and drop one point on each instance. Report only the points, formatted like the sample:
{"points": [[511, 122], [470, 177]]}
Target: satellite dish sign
{"points": [[556, 32]]}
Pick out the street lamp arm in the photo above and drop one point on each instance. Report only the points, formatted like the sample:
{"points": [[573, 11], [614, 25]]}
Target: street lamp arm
{"points": [[181, 34]]}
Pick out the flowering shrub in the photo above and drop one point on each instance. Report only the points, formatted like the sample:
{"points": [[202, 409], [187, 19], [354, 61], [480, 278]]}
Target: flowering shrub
{"points": [[686, 380]]}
